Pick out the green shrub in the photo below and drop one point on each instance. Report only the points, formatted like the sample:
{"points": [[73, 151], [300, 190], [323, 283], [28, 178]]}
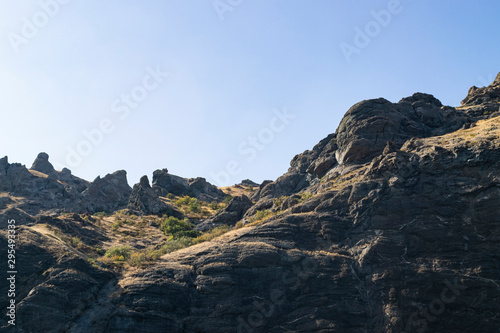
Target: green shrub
{"points": [[304, 196], [119, 253], [117, 224], [261, 214], [99, 250], [194, 207], [76, 243], [138, 259], [103, 214], [170, 196], [279, 201], [176, 228], [214, 205]]}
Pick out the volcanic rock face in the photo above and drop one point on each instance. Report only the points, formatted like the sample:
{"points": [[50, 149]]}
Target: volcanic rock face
{"points": [[144, 200], [392, 224], [233, 213], [165, 183], [363, 134], [486, 96], [36, 191], [43, 165], [107, 194]]}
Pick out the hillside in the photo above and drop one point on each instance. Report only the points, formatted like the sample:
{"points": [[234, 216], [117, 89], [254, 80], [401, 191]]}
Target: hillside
{"points": [[390, 224]]}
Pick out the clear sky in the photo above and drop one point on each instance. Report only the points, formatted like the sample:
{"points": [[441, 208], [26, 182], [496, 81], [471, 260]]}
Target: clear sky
{"points": [[226, 89]]}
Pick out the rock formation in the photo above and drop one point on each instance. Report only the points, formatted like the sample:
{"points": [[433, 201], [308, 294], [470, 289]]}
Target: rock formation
{"points": [[107, 194], [391, 224], [144, 200], [233, 213], [165, 183], [43, 165], [203, 190]]}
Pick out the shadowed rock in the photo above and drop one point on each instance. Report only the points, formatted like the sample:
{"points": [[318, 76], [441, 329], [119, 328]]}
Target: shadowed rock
{"points": [[234, 212], [43, 165], [143, 200], [107, 194], [165, 183], [400, 235]]}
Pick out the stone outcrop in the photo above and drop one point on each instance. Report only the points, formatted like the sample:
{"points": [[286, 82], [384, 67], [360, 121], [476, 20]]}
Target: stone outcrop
{"points": [[54, 286], [249, 183], [393, 227], [483, 102], [203, 190], [165, 183], [107, 194], [43, 165], [143, 200], [37, 191], [233, 213], [66, 177], [363, 134]]}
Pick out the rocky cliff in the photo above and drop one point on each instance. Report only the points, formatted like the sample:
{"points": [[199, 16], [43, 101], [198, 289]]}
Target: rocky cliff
{"points": [[390, 224]]}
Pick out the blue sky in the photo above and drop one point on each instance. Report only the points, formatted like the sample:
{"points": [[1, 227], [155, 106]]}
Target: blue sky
{"points": [[197, 87]]}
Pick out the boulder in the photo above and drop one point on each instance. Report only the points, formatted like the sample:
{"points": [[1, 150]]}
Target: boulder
{"points": [[165, 183], [42, 164], [204, 191], [234, 212], [144, 201], [107, 194], [249, 183], [483, 102]]}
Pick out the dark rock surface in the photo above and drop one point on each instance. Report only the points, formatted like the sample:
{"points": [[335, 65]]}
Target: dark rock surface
{"points": [[72, 181], [43, 165], [249, 183], [35, 191], [165, 183], [233, 213], [54, 284], [392, 224], [107, 194], [203, 190], [483, 102], [412, 245], [143, 200], [363, 134]]}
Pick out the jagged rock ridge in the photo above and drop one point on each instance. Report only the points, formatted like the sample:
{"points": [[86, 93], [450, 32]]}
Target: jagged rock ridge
{"points": [[391, 224]]}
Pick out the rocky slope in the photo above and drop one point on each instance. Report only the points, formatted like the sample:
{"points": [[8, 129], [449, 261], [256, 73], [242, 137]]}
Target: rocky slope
{"points": [[391, 224]]}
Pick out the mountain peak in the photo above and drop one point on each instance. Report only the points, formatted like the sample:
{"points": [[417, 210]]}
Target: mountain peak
{"points": [[43, 165], [497, 80]]}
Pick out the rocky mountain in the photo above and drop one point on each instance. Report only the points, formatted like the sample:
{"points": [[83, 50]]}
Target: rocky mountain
{"points": [[390, 224]]}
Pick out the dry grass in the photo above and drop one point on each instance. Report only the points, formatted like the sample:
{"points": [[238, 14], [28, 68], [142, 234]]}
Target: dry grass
{"points": [[38, 173], [238, 190], [484, 132]]}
